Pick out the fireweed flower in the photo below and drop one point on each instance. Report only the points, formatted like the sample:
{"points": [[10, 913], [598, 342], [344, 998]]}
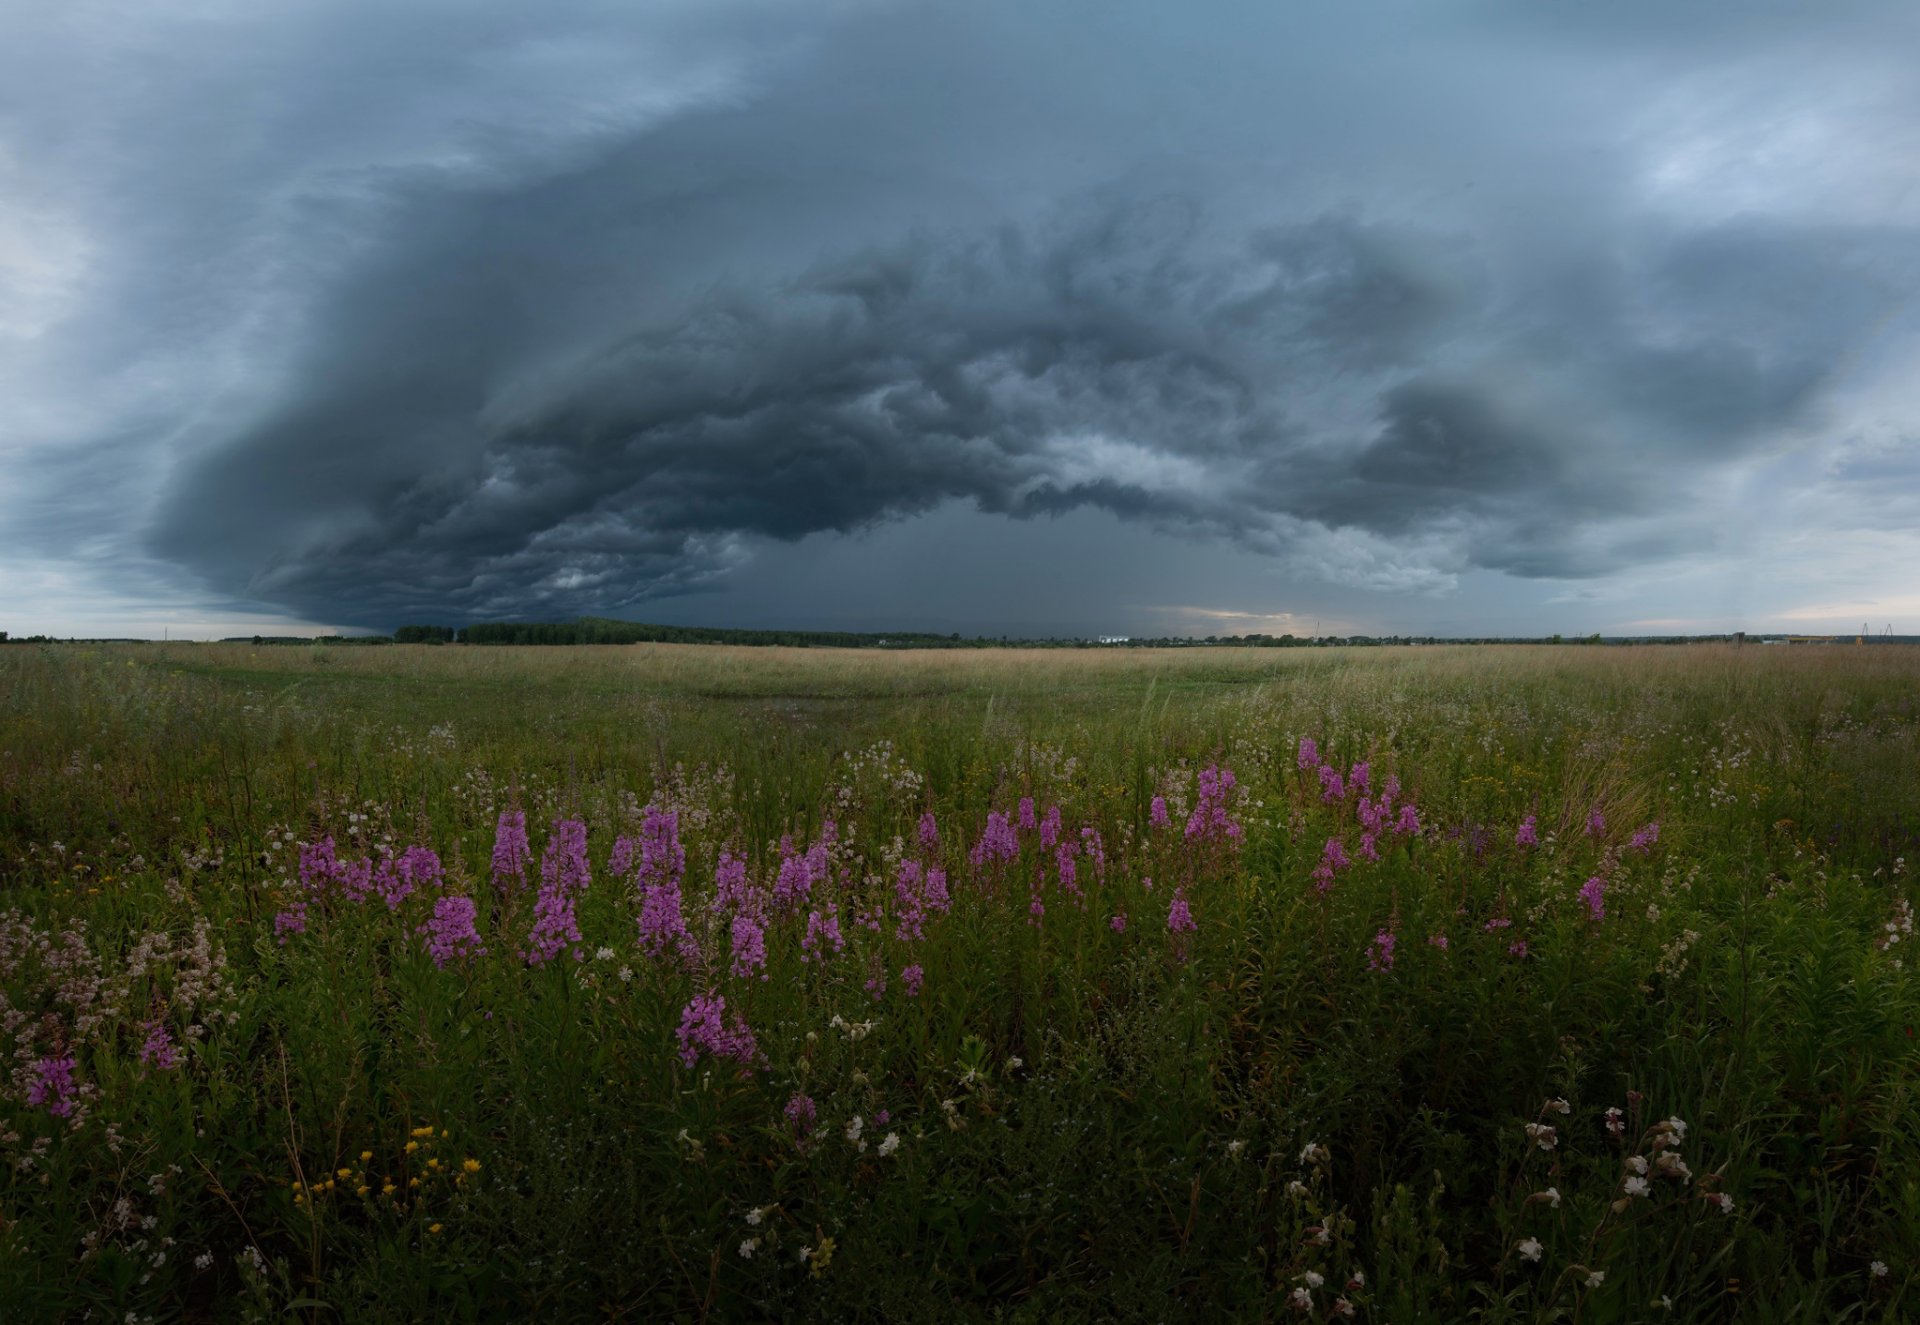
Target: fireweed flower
{"points": [[1157, 813], [563, 866], [822, 940], [1368, 850], [731, 891], [290, 921], [1307, 754], [1331, 786], [1068, 871], [1517, 948], [1594, 893], [1380, 955], [1119, 922], [1529, 833], [1596, 823], [53, 1085], [554, 929], [1026, 820], [749, 947], [1210, 821], [911, 979], [420, 866], [511, 854], [450, 934], [1094, 848], [800, 1114], [1644, 838], [1050, 828], [997, 840], [1357, 777], [159, 1051], [1437, 941], [319, 866], [1409, 821], [705, 1028], [929, 832], [1180, 915]]}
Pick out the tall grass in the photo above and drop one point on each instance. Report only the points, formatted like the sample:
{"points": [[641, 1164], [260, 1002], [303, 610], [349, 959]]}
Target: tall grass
{"points": [[1263, 1117]]}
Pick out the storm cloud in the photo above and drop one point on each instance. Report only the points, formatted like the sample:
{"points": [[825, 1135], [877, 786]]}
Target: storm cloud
{"points": [[382, 314]]}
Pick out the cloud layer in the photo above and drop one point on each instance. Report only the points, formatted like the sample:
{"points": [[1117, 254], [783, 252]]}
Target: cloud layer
{"points": [[371, 314]]}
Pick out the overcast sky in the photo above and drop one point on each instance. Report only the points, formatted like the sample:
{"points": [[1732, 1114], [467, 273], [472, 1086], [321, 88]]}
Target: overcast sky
{"points": [[1395, 316]]}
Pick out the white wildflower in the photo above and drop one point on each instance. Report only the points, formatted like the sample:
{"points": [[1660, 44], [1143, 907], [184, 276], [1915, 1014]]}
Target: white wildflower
{"points": [[1529, 1249], [748, 1247], [889, 1145], [1635, 1186], [1595, 1278]]}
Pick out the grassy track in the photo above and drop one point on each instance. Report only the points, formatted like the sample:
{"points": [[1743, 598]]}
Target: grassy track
{"points": [[258, 1067]]}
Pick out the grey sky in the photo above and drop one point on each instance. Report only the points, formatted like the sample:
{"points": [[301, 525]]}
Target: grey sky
{"points": [[1390, 316]]}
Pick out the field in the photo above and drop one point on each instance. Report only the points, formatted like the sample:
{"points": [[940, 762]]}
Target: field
{"points": [[692, 983]]}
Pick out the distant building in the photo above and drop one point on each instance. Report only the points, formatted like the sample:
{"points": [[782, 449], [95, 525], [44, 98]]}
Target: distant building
{"points": [[1116, 639]]}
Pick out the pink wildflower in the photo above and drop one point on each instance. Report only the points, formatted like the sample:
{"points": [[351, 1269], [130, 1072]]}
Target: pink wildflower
{"points": [[823, 933], [290, 921], [1594, 893], [1157, 813], [159, 1051], [911, 978], [1308, 754], [705, 1028], [554, 929], [511, 853], [1180, 915], [564, 864], [800, 1114], [749, 947], [1380, 956], [997, 841], [450, 934], [53, 1085], [1645, 837], [1210, 821], [1529, 834], [1119, 922], [929, 832]]}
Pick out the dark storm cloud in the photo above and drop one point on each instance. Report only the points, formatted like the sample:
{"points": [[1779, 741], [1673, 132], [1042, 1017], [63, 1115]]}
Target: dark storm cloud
{"points": [[570, 315]]}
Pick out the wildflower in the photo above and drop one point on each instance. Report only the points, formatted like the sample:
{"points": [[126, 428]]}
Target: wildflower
{"points": [[1118, 924], [1616, 1122], [1635, 1186], [854, 1129], [1358, 777], [1636, 1163], [749, 947], [823, 933], [1542, 1135], [433, 1228], [1050, 828], [290, 921], [1313, 1279], [1529, 1249], [1677, 1129], [1438, 941], [450, 934], [1644, 838], [1721, 1199], [510, 851], [1331, 786], [747, 1247], [159, 1051], [820, 1257], [1234, 1147], [1670, 1165], [1342, 1307], [929, 832], [1179, 915], [1358, 1280], [1596, 1277], [1300, 1300], [1308, 754], [53, 1085], [997, 840], [1313, 1153], [1594, 893], [1296, 1188], [705, 1027], [554, 928], [1596, 823], [1157, 813], [1380, 958], [881, 1117], [1551, 1196], [1517, 948], [1409, 824], [1529, 833], [800, 1114], [1877, 1269], [1559, 1106], [731, 891], [1027, 822], [889, 1145], [911, 979], [1210, 821]]}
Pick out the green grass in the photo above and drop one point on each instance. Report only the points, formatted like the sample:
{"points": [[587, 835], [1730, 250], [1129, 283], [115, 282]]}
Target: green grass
{"points": [[1090, 1123]]}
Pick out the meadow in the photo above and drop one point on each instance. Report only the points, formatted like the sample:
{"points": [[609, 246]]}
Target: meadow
{"points": [[694, 983]]}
